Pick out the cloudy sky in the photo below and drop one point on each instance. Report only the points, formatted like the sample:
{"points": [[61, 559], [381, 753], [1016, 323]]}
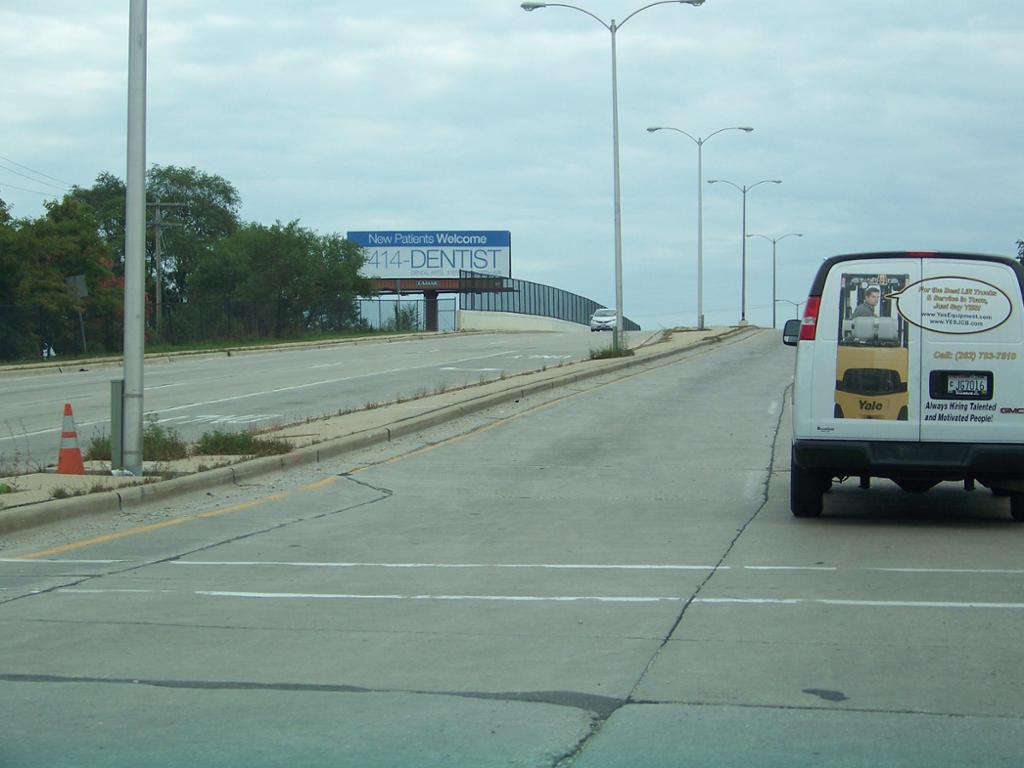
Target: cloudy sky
{"points": [[893, 124]]}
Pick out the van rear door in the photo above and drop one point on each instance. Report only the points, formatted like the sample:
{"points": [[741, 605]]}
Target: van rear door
{"points": [[972, 329], [866, 353]]}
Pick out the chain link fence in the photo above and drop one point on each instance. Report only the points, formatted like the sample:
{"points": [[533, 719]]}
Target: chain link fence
{"points": [[33, 332]]}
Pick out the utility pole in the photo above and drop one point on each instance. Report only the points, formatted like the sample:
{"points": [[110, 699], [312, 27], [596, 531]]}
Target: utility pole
{"points": [[158, 265]]}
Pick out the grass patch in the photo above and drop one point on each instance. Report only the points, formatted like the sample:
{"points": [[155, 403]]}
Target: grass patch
{"points": [[219, 443], [609, 352], [5, 488], [97, 449], [162, 444], [158, 444]]}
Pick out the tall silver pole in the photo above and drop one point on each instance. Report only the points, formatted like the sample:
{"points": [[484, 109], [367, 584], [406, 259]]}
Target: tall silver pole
{"points": [[617, 342], [530, 5], [743, 277], [774, 241], [699, 141], [773, 282], [700, 234], [135, 240]]}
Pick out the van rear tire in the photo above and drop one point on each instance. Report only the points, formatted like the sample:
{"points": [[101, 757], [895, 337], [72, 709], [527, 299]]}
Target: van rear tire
{"points": [[806, 489], [1017, 507]]}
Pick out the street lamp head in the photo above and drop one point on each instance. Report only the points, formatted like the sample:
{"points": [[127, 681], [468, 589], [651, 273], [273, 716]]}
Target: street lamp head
{"points": [[775, 181], [532, 6], [652, 130], [745, 128]]}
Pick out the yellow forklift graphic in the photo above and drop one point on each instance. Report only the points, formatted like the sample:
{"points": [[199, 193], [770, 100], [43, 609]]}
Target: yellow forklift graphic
{"points": [[872, 357]]}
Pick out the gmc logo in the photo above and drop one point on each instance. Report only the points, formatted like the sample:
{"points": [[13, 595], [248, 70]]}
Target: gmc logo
{"points": [[1017, 411]]}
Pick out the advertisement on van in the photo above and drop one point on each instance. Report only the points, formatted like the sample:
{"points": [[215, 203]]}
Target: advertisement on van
{"points": [[872, 360]]}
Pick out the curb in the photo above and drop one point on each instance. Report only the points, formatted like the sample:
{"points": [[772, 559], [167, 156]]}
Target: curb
{"points": [[43, 513]]}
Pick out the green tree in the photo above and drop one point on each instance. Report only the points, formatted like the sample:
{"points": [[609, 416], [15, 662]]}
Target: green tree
{"points": [[205, 211], [283, 279], [106, 198], [15, 338], [209, 214], [36, 257]]}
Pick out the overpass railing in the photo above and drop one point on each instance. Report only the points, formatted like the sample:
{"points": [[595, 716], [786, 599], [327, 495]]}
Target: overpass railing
{"points": [[490, 293]]}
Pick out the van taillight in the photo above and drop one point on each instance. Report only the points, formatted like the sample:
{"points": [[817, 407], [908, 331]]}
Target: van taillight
{"points": [[809, 325]]}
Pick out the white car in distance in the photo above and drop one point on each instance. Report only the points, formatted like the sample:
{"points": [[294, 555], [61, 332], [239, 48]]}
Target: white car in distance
{"points": [[603, 320]]}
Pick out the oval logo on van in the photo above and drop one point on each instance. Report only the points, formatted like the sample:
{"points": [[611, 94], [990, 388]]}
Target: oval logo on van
{"points": [[952, 304]]}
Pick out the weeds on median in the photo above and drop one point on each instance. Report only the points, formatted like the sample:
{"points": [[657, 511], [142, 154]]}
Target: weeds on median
{"points": [[98, 448], [610, 352], [219, 443], [159, 443]]}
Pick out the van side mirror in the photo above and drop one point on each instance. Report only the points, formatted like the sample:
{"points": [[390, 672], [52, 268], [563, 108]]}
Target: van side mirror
{"points": [[791, 333]]}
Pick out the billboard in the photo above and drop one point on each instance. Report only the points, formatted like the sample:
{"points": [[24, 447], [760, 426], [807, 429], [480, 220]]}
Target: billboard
{"points": [[434, 253]]}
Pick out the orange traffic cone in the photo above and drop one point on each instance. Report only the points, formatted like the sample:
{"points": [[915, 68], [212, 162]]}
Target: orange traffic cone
{"points": [[69, 461]]}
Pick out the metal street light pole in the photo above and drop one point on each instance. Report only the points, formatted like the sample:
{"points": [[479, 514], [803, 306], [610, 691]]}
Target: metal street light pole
{"points": [[135, 241], [613, 29], [699, 141], [774, 240], [743, 278], [796, 307]]}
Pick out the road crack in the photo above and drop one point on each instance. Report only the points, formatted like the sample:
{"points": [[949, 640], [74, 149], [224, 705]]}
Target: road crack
{"points": [[599, 722]]}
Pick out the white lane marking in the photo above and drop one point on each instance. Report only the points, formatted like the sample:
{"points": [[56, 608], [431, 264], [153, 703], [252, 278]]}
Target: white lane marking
{"points": [[754, 485], [561, 599], [948, 570], [473, 370], [332, 596], [489, 598], [79, 426], [549, 566], [62, 562], [774, 408], [311, 384], [594, 567], [789, 568], [82, 591], [245, 418], [542, 357], [854, 603]]}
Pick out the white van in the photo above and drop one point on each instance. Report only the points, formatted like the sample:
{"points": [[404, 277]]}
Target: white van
{"points": [[909, 366]]}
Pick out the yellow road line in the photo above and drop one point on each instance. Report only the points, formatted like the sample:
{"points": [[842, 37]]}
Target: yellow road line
{"points": [[148, 528]]}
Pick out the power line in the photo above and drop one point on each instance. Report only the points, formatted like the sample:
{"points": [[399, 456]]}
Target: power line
{"points": [[37, 181], [23, 189], [38, 173]]}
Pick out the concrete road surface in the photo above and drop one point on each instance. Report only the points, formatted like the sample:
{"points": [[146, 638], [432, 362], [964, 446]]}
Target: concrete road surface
{"points": [[608, 576], [194, 394]]}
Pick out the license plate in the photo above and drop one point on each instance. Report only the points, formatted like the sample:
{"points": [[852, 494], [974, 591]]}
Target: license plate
{"points": [[961, 385], [967, 385]]}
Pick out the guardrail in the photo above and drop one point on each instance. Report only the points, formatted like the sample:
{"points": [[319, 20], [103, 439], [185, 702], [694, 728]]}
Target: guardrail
{"points": [[490, 293]]}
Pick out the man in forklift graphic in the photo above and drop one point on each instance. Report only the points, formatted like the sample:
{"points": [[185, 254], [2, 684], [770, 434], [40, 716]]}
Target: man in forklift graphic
{"points": [[872, 356], [867, 307]]}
